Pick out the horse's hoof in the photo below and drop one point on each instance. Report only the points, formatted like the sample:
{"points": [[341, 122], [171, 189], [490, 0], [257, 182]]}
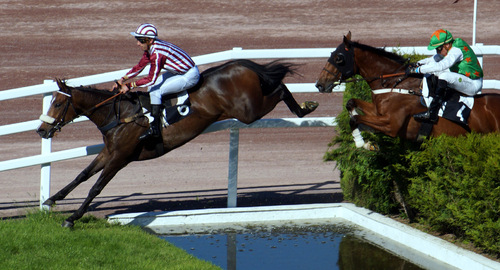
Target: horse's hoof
{"points": [[49, 202], [67, 224], [371, 147], [309, 105]]}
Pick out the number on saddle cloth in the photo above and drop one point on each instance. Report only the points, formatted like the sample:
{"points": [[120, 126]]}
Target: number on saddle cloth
{"points": [[178, 111], [457, 108]]}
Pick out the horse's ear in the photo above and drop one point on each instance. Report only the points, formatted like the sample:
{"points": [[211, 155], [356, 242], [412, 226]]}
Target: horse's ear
{"points": [[348, 36], [62, 85], [347, 40]]}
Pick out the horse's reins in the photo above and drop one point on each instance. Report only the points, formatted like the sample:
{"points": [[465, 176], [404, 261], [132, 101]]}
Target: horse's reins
{"points": [[62, 123], [102, 103], [365, 79]]}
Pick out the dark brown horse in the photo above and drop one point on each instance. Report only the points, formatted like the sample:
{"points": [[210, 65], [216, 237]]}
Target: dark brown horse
{"points": [[238, 89], [392, 112]]}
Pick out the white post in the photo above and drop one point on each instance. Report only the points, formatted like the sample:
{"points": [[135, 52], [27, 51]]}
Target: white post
{"points": [[46, 149], [474, 24], [232, 181]]}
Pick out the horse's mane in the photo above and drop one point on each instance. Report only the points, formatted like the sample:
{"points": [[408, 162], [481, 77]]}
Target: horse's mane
{"points": [[379, 51], [93, 89]]}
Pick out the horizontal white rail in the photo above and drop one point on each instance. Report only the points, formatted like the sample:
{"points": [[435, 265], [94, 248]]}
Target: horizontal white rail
{"points": [[235, 53], [222, 125]]}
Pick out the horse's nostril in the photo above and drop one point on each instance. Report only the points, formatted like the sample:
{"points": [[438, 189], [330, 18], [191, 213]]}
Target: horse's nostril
{"points": [[320, 87], [42, 132]]}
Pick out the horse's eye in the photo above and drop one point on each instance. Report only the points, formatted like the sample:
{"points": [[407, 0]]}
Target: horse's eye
{"points": [[57, 105], [339, 60]]}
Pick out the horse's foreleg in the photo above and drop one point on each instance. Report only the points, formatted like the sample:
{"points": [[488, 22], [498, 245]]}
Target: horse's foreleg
{"points": [[107, 174], [94, 167], [301, 110]]}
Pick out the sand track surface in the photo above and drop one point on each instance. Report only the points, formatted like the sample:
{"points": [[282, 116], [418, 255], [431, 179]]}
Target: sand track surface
{"points": [[44, 39]]}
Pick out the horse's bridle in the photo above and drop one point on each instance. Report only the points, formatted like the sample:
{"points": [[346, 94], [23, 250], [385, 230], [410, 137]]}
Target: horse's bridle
{"points": [[61, 123], [343, 60], [351, 72], [58, 124]]}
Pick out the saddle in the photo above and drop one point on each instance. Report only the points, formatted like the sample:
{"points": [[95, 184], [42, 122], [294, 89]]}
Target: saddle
{"points": [[176, 107]]}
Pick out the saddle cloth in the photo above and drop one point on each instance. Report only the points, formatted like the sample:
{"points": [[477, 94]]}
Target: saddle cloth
{"points": [[173, 113], [456, 108]]}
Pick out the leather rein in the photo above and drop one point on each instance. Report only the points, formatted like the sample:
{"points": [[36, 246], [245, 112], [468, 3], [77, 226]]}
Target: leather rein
{"points": [[59, 124]]}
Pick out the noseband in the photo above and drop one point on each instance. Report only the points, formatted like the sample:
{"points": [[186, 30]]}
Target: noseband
{"points": [[59, 123]]}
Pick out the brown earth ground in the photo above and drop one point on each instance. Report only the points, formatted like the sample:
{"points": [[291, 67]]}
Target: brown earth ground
{"points": [[68, 39]]}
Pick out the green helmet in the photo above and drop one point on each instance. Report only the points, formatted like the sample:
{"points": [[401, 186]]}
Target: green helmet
{"points": [[438, 38]]}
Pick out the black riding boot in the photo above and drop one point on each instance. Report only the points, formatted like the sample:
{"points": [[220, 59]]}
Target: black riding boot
{"points": [[154, 127], [432, 114]]}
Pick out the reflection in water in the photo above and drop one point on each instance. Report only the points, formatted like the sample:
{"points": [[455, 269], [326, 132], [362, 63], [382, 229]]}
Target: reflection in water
{"points": [[312, 247]]}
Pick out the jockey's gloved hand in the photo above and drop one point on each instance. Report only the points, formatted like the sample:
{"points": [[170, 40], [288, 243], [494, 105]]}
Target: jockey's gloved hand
{"points": [[414, 65], [412, 70]]}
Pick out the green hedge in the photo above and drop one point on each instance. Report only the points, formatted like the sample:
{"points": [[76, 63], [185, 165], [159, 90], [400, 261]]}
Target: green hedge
{"points": [[455, 186], [368, 178], [451, 184]]}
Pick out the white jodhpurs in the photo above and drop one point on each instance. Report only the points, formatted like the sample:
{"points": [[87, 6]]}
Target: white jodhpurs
{"points": [[462, 83], [169, 83]]}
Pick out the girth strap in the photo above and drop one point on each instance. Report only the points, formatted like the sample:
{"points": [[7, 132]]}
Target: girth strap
{"points": [[116, 122]]}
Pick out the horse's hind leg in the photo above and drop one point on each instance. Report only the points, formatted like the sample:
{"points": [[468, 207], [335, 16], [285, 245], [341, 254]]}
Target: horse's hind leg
{"points": [[302, 110], [368, 108], [94, 167]]}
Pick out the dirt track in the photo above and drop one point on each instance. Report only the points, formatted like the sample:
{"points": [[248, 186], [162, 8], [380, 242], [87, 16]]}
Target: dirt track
{"points": [[68, 39]]}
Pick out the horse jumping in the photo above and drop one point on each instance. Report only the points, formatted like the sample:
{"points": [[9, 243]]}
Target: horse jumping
{"points": [[239, 89], [392, 112]]}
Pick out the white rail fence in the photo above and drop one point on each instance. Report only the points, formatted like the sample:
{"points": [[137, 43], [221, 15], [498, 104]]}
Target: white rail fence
{"points": [[47, 156]]}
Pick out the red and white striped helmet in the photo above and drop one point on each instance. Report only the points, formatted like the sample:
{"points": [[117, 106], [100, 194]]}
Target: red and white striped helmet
{"points": [[145, 30]]}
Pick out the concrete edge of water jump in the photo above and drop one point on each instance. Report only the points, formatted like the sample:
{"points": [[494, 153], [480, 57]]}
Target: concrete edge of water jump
{"points": [[187, 221]]}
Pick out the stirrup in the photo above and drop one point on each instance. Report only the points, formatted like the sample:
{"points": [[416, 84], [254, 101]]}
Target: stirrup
{"points": [[149, 133], [422, 116], [146, 134], [426, 116]]}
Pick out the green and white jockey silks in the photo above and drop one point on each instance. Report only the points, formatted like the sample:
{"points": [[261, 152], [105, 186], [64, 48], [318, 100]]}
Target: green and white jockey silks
{"points": [[469, 66]]}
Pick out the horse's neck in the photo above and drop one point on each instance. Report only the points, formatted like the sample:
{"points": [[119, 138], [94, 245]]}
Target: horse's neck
{"points": [[85, 102], [372, 66]]}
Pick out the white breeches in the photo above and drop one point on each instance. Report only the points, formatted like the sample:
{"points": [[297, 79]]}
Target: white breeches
{"points": [[169, 83], [462, 83]]}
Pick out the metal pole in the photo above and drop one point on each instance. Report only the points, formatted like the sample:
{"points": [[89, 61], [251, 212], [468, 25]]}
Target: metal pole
{"points": [[232, 181]]}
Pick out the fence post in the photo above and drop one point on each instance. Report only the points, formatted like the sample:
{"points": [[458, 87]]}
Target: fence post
{"points": [[480, 56], [232, 181], [46, 149]]}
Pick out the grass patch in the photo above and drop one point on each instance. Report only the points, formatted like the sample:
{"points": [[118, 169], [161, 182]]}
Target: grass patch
{"points": [[39, 242]]}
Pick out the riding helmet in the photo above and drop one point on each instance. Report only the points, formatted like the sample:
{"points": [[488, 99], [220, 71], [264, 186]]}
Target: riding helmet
{"points": [[438, 38], [145, 30]]}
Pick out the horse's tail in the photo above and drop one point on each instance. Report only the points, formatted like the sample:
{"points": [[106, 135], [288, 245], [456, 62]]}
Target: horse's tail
{"points": [[271, 74]]}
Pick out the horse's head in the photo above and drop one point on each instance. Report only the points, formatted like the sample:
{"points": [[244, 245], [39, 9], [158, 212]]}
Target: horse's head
{"points": [[59, 113], [339, 67]]}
